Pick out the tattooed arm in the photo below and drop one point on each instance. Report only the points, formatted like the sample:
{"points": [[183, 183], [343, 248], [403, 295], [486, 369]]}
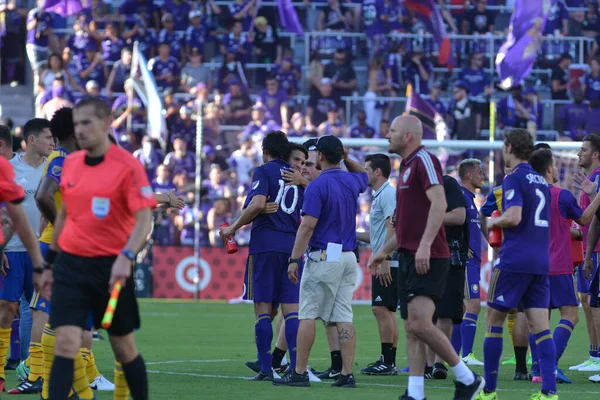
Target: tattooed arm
{"points": [[7, 228]]}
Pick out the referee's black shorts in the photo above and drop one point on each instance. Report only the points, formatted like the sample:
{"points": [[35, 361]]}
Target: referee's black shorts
{"points": [[387, 297], [451, 304], [81, 285], [432, 284]]}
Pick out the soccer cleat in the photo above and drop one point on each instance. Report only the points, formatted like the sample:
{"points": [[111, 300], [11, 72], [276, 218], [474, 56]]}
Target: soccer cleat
{"points": [[519, 376], [594, 378], [533, 374], [428, 374], [439, 371], [486, 396], [469, 392], [405, 396], [510, 361], [22, 372], [587, 363], [542, 396], [293, 379], [472, 361], [263, 377], [102, 384], [379, 368], [97, 336], [281, 369], [561, 377], [529, 360], [2, 387], [311, 375], [329, 373], [253, 365], [28, 387], [11, 364], [536, 379], [345, 381], [593, 367]]}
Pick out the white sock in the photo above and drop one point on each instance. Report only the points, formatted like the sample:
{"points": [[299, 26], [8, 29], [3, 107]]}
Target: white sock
{"points": [[416, 387], [463, 374]]}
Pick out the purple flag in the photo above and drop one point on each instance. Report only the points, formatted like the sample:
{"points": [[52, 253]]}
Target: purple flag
{"points": [[428, 13], [66, 8], [288, 17], [433, 123], [515, 58]]}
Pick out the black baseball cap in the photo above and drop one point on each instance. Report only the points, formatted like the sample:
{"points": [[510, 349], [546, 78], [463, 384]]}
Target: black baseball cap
{"points": [[330, 146]]}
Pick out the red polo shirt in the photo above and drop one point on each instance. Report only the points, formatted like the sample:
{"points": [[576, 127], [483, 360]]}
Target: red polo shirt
{"points": [[418, 172]]}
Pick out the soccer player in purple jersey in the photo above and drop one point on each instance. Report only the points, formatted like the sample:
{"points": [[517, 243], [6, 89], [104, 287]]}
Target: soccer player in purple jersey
{"points": [[521, 277], [588, 288], [563, 210], [271, 246], [471, 176]]}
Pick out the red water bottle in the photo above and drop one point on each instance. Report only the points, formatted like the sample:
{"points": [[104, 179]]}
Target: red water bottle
{"points": [[495, 234], [230, 244], [576, 249]]}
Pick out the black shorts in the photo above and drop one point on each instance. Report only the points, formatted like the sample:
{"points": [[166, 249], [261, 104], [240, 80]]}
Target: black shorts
{"points": [[81, 285], [451, 304], [382, 296], [432, 284]]}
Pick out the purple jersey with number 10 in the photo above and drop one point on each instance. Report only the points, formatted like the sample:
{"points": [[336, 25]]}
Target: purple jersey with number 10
{"points": [[275, 232], [526, 247]]}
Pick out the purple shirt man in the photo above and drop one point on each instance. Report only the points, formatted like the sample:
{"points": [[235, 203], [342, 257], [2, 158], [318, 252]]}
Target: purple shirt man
{"points": [[573, 117], [161, 67], [179, 10], [36, 36], [273, 103], [77, 43], [175, 39], [186, 163], [112, 50]]}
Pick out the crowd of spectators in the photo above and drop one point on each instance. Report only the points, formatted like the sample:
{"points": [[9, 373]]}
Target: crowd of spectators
{"points": [[199, 53]]}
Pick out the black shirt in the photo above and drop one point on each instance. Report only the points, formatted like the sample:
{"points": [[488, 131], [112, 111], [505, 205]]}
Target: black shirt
{"points": [[480, 22], [457, 236], [266, 44], [320, 105], [562, 76], [341, 73]]}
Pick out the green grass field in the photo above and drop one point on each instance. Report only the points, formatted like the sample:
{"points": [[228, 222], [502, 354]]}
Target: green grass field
{"points": [[197, 351]]}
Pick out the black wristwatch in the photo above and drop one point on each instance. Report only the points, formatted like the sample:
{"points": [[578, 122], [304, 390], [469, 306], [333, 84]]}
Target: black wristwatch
{"points": [[44, 266], [293, 261]]}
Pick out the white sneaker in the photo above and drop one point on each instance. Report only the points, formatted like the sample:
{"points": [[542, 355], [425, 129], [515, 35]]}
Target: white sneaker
{"points": [[312, 377], [594, 367], [586, 363], [471, 360], [102, 384], [595, 378]]}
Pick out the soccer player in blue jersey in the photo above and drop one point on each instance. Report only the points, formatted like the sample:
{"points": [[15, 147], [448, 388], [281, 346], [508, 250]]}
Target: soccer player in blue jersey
{"points": [[271, 246], [471, 176], [521, 276]]}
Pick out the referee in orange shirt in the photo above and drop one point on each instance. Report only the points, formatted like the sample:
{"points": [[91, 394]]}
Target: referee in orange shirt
{"points": [[105, 219]]}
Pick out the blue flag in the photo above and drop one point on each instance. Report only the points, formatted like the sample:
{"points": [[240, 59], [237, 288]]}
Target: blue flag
{"points": [[289, 17], [428, 13], [66, 8], [515, 58]]}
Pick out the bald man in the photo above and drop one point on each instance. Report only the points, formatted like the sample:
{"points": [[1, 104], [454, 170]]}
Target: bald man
{"points": [[424, 258]]}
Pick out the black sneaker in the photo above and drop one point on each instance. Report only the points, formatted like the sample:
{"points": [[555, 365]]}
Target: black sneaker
{"points": [[439, 371], [11, 364], [428, 373], [464, 392], [345, 381], [293, 379], [253, 365], [379, 368], [329, 373], [28, 387], [263, 377], [519, 376], [405, 396]]}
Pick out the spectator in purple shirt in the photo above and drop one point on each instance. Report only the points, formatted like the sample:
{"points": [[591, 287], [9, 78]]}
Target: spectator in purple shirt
{"points": [[185, 127], [169, 35], [113, 44], [165, 68], [275, 101], [434, 99], [39, 31], [122, 108], [77, 42], [288, 76], [132, 7], [592, 80], [361, 129], [179, 9], [92, 66], [557, 21], [534, 107], [144, 34], [59, 81], [237, 42], [259, 126], [591, 120], [333, 125], [242, 11], [120, 72], [14, 11], [162, 183], [419, 71], [236, 105], [197, 33], [572, 116], [181, 159], [150, 157]]}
